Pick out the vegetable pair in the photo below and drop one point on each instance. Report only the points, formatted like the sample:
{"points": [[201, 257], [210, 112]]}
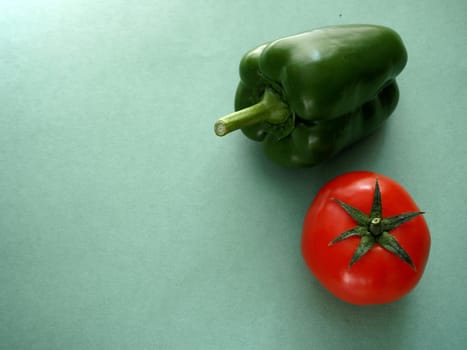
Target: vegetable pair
{"points": [[306, 98]]}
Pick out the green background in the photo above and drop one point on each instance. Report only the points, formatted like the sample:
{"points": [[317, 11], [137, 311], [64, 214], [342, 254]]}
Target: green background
{"points": [[125, 223]]}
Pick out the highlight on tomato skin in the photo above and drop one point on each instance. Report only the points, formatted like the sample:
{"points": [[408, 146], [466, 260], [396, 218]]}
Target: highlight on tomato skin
{"points": [[365, 239]]}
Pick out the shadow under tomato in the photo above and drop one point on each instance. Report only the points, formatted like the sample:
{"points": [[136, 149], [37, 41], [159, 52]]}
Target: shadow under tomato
{"points": [[387, 325]]}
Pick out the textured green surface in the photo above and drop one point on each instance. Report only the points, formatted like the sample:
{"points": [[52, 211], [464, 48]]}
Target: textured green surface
{"points": [[125, 223]]}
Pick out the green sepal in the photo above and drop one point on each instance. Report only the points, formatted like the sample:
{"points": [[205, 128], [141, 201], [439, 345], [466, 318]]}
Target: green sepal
{"points": [[356, 231], [369, 234], [359, 217], [388, 242], [392, 222], [376, 207], [365, 245]]}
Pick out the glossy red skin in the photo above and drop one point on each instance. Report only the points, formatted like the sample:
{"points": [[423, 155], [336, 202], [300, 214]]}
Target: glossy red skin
{"points": [[379, 277]]}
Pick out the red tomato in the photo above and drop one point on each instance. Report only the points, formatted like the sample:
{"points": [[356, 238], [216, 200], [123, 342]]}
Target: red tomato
{"points": [[383, 269]]}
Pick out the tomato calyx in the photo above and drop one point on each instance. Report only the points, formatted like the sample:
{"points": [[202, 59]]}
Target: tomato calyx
{"points": [[374, 229]]}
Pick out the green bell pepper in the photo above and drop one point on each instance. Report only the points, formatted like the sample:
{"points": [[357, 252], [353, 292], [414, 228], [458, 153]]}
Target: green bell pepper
{"points": [[309, 96]]}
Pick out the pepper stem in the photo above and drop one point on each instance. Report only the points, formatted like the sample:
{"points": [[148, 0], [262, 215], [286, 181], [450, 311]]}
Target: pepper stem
{"points": [[270, 109]]}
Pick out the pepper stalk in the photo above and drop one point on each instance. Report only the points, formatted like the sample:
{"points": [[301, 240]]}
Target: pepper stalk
{"points": [[270, 109]]}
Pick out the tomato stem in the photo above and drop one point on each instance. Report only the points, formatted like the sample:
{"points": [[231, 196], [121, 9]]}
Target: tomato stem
{"points": [[375, 227]]}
